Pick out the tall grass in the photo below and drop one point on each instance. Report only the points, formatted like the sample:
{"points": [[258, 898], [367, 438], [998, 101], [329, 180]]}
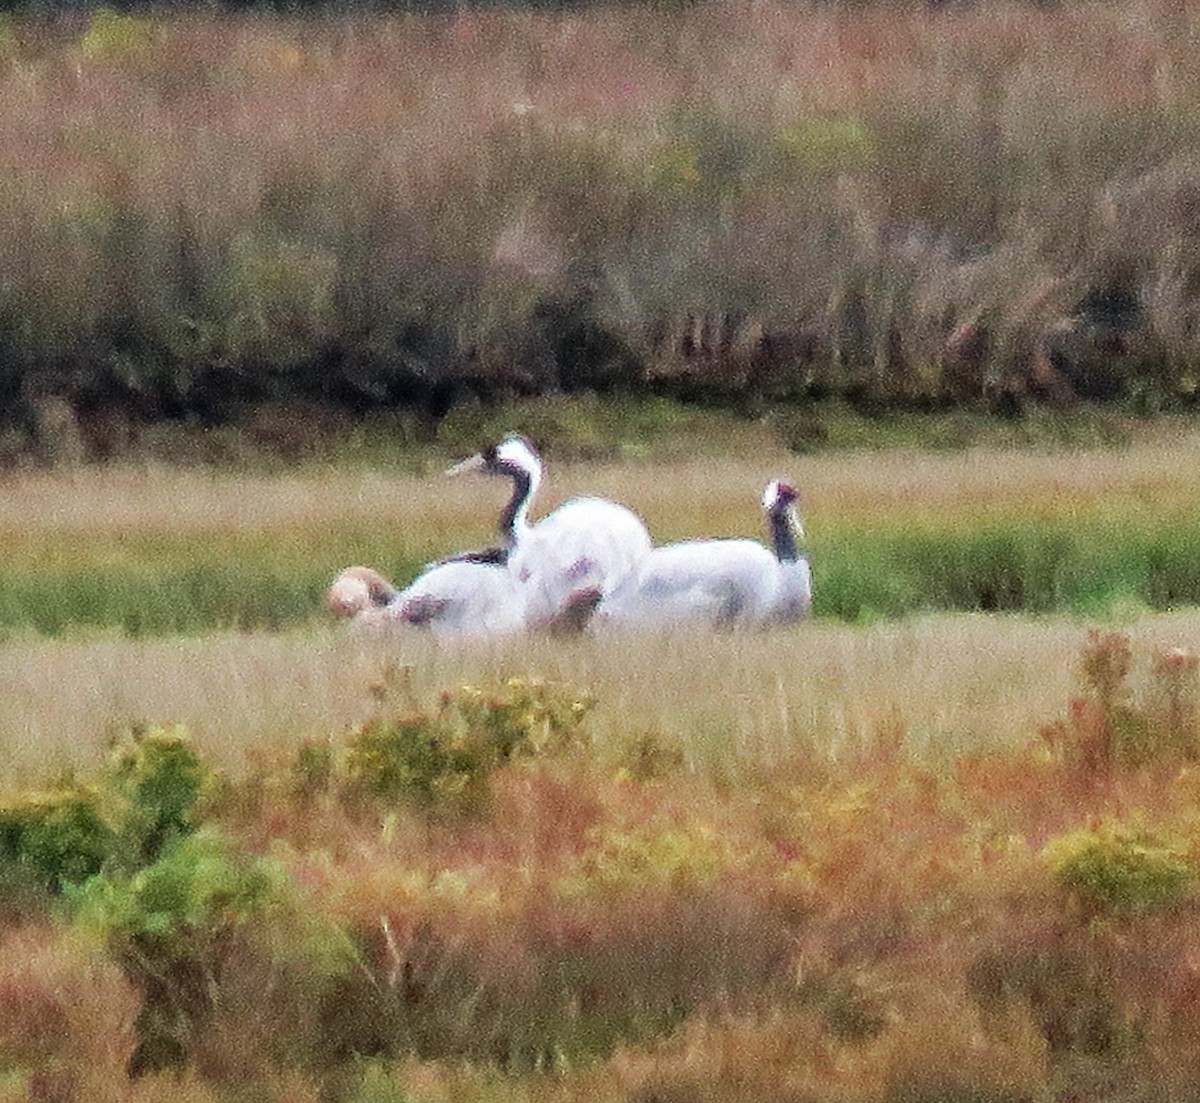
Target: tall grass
{"points": [[890, 913], [730, 705], [735, 201], [938, 857]]}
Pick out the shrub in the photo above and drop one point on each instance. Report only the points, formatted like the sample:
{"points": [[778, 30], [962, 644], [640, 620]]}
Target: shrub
{"points": [[1119, 868], [207, 936], [410, 760], [115, 36], [56, 836], [172, 908], [1109, 726], [445, 756], [146, 799], [158, 778], [651, 856]]}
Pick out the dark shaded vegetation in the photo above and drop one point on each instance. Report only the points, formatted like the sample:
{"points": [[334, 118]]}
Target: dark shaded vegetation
{"points": [[270, 224]]}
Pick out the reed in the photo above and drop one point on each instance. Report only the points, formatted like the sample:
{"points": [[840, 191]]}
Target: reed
{"points": [[395, 212]]}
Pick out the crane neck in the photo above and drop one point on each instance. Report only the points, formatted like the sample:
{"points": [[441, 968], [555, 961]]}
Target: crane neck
{"points": [[514, 518], [784, 527]]}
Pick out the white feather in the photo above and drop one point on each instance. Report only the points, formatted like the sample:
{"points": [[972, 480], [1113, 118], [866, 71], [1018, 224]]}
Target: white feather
{"points": [[586, 544], [716, 583], [451, 599], [456, 599]]}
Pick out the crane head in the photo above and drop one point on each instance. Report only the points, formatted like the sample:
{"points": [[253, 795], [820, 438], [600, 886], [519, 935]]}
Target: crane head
{"points": [[779, 494], [513, 454]]}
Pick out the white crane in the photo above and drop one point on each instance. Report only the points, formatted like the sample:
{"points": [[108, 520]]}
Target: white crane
{"points": [[571, 558], [471, 595], [720, 584]]}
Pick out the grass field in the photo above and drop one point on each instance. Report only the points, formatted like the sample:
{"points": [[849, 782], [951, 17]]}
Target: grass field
{"points": [[943, 856], [1044, 530]]}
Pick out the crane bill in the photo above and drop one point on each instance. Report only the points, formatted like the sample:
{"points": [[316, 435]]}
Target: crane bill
{"points": [[472, 463]]}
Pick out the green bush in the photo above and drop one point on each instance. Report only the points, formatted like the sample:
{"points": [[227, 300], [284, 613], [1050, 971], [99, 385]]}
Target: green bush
{"points": [[144, 801], [115, 36], [173, 926], [56, 836], [446, 756], [158, 778], [651, 856], [196, 886], [1120, 868]]}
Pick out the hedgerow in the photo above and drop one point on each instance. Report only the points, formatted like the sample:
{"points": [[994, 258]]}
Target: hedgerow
{"points": [[908, 210]]}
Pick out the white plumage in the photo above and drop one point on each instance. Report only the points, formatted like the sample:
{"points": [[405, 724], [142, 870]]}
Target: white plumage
{"points": [[585, 546], [458, 598], [720, 584], [453, 598]]}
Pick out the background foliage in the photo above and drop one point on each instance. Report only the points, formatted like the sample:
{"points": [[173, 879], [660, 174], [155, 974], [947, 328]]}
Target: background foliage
{"points": [[206, 217]]}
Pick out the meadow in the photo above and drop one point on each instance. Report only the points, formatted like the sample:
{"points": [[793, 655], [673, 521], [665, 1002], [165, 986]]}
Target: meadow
{"points": [[150, 550], [940, 856], [265, 277]]}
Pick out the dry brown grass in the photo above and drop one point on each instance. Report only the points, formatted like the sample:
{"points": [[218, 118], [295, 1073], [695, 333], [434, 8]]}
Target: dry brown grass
{"points": [[946, 682], [940, 685], [679, 499]]}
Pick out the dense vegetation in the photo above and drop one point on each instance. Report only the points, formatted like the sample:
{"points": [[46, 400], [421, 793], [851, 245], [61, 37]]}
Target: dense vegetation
{"points": [[890, 862], [755, 206], [474, 896]]}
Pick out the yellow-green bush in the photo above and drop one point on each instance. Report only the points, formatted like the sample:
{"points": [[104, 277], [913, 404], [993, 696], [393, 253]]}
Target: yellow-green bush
{"points": [[115, 36], [55, 836], [158, 778], [146, 799], [1120, 868], [446, 755], [652, 855]]}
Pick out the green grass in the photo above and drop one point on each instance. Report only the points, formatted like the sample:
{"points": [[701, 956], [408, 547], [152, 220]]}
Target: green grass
{"points": [[1093, 567], [1040, 528], [163, 585], [922, 549]]}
